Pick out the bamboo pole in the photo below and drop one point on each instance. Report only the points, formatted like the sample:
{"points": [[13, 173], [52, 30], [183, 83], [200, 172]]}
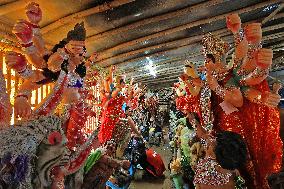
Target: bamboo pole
{"points": [[221, 33], [187, 26], [36, 97], [185, 42], [5, 27], [9, 80], [181, 42], [264, 21], [16, 5], [154, 19], [79, 15], [1, 61], [218, 32], [16, 83], [274, 27], [41, 93]]}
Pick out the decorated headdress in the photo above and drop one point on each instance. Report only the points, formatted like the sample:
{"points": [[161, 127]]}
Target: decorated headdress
{"points": [[78, 33], [214, 45]]}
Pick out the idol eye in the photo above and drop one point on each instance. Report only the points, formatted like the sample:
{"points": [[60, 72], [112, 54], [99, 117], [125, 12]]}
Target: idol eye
{"points": [[55, 138]]}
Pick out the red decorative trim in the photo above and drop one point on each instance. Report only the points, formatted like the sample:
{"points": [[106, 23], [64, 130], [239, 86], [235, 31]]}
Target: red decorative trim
{"points": [[27, 45], [22, 71], [22, 95], [34, 26]]}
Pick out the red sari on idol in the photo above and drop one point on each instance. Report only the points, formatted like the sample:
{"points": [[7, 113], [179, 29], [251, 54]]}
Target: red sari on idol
{"points": [[263, 137], [110, 117], [189, 103], [259, 126]]}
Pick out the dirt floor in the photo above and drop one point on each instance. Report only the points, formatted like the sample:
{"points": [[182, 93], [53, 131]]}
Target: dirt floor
{"points": [[166, 183]]}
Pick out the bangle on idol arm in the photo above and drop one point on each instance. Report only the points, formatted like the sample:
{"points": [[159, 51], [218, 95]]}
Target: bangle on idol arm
{"points": [[25, 73], [220, 91], [258, 99], [22, 96], [25, 93], [257, 73], [29, 48], [252, 49], [238, 37]]}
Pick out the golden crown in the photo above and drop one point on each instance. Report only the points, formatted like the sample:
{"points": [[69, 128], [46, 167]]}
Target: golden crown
{"points": [[214, 45]]}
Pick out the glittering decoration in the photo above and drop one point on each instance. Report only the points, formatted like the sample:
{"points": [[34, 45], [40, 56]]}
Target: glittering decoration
{"points": [[4, 98], [94, 73], [215, 46], [74, 80], [50, 103], [253, 48], [240, 183], [205, 106], [22, 141], [220, 91], [238, 37], [75, 127], [7, 45], [262, 127], [110, 117], [207, 174]]}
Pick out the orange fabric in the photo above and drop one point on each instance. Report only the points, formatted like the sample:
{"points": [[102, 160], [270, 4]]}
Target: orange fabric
{"points": [[259, 125], [110, 118]]}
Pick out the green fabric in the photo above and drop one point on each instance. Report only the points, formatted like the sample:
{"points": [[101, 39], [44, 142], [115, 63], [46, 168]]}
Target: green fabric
{"points": [[178, 182], [92, 160], [233, 82], [181, 121], [185, 138]]}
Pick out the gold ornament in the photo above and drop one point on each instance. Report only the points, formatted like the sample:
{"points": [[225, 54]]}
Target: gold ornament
{"points": [[214, 45]]}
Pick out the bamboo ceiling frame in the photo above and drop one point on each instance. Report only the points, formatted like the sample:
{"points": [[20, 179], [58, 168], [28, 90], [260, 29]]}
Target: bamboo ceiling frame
{"points": [[82, 14], [187, 26], [154, 19], [145, 76], [9, 7], [217, 31]]}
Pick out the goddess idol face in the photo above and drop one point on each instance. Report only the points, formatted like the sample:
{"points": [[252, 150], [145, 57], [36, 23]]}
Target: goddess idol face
{"points": [[76, 47]]}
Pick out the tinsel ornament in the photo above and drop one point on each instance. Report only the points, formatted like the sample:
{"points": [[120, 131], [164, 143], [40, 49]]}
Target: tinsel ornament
{"points": [[7, 45], [93, 75], [215, 46]]}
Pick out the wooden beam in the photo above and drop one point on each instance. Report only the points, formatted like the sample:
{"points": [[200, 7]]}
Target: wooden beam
{"points": [[154, 19], [11, 7], [160, 86], [274, 27], [197, 39], [171, 45], [187, 26], [79, 15], [269, 17], [193, 40], [154, 82]]}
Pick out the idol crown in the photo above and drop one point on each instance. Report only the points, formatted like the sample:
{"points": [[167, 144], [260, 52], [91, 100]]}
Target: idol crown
{"points": [[214, 45], [78, 33]]}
